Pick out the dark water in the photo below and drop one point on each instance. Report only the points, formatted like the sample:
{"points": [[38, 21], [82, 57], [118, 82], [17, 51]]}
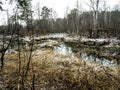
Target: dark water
{"points": [[64, 49], [71, 48]]}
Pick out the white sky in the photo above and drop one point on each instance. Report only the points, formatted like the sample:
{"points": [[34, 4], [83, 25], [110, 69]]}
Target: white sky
{"points": [[58, 5]]}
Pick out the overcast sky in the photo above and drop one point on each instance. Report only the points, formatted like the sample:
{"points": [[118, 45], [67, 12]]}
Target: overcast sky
{"points": [[58, 5]]}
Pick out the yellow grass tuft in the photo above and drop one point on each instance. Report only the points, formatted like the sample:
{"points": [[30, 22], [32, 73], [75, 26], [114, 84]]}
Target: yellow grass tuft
{"points": [[58, 72]]}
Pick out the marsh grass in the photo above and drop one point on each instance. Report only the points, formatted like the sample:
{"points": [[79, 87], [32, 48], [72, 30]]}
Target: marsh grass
{"points": [[53, 71]]}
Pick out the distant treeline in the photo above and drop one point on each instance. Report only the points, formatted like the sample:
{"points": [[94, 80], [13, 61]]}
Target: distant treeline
{"points": [[74, 22]]}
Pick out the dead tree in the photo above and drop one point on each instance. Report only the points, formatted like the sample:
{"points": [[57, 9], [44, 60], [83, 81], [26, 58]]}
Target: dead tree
{"points": [[5, 45], [94, 6]]}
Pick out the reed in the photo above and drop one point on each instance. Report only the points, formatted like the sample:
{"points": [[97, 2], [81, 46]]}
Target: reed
{"points": [[58, 72]]}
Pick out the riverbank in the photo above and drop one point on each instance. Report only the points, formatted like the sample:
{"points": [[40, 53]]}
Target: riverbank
{"points": [[53, 71], [62, 62]]}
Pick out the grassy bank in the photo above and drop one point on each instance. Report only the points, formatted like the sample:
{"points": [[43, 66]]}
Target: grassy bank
{"points": [[51, 71]]}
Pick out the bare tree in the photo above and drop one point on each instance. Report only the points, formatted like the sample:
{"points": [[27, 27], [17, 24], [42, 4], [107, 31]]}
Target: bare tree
{"points": [[77, 16], [94, 5], [6, 44]]}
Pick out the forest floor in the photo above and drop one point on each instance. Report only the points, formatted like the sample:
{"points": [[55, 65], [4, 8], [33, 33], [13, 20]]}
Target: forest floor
{"points": [[53, 71], [49, 70]]}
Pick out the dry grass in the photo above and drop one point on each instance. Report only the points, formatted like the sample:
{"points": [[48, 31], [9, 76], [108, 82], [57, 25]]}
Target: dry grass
{"points": [[57, 72]]}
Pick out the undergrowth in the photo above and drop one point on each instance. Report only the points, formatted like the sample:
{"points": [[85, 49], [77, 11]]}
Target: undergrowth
{"points": [[50, 71]]}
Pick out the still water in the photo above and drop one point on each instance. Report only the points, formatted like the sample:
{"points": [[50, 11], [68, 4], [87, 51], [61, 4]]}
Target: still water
{"points": [[66, 50]]}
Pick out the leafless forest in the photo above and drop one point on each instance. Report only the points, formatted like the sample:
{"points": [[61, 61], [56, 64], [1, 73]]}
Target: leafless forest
{"points": [[40, 51]]}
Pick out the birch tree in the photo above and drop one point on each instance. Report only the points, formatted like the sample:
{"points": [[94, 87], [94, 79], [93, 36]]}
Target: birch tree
{"points": [[24, 13], [94, 5]]}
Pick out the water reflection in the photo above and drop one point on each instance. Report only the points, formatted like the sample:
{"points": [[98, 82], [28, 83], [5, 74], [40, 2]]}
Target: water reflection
{"points": [[92, 58], [65, 50]]}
